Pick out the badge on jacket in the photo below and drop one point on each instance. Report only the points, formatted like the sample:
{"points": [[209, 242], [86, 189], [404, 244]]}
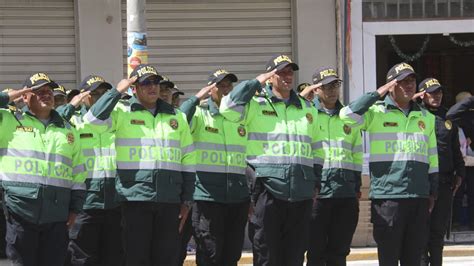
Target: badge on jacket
{"points": [[347, 129], [241, 131], [70, 138], [448, 124], [309, 117], [421, 125], [174, 123]]}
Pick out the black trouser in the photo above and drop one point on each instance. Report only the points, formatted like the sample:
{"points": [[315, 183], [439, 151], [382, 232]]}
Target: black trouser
{"points": [[467, 188], [35, 245], [400, 229], [95, 238], [150, 233], [333, 223], [219, 231], [184, 238], [278, 230], [439, 222]]}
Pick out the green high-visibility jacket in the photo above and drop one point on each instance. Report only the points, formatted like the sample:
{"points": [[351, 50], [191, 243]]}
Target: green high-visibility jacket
{"points": [[155, 152], [281, 136], [220, 153], [41, 166], [339, 150], [403, 159], [98, 150]]}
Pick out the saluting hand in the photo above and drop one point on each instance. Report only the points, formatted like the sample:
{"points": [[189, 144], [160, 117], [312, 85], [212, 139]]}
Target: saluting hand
{"points": [[205, 92], [78, 99], [262, 78], [389, 87], [418, 95], [124, 84], [309, 89], [15, 94]]}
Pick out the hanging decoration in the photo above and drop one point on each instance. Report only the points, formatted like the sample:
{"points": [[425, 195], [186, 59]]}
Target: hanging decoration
{"points": [[413, 57], [460, 43]]}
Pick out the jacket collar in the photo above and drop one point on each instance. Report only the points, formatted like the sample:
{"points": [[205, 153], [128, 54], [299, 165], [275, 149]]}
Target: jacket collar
{"points": [[318, 106], [161, 106], [294, 98]]}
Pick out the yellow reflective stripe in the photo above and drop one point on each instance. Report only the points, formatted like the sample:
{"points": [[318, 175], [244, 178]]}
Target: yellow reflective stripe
{"points": [[38, 179], [401, 136], [96, 121], [101, 174], [78, 169], [358, 119], [99, 152], [142, 165], [50, 157], [219, 147], [220, 169], [280, 160], [398, 157], [278, 137], [123, 142]]}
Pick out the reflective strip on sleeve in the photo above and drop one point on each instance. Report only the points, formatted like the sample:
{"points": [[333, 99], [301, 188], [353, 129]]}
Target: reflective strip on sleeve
{"points": [[358, 119], [96, 121]]}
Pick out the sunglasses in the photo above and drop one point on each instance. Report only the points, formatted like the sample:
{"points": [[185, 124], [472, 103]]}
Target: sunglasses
{"points": [[332, 86], [149, 82]]}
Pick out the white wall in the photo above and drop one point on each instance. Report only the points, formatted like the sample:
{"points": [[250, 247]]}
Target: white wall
{"points": [[100, 39], [315, 36]]}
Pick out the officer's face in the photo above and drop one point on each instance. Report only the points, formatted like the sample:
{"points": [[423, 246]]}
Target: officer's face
{"points": [[405, 89], [40, 99], [148, 91], [283, 79], [59, 100], [223, 88], [329, 93], [95, 96], [433, 98], [165, 93]]}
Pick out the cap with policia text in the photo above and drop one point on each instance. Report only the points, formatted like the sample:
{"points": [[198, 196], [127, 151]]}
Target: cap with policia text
{"points": [[400, 72], [429, 85], [144, 71], [39, 80], [302, 86], [220, 74], [279, 62], [166, 82], [325, 75], [59, 90], [92, 82]]}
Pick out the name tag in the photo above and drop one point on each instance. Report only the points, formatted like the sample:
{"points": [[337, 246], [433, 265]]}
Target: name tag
{"points": [[137, 122], [390, 124], [211, 129], [270, 113], [86, 135], [24, 129]]}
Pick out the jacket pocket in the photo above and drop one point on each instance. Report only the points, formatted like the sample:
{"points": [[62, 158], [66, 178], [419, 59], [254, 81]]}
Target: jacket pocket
{"points": [[24, 190]]}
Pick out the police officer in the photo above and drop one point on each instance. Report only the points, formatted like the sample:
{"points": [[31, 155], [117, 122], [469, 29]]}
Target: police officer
{"points": [[42, 175], [281, 128], [95, 239], [403, 165], [336, 210], [462, 113], [451, 170], [166, 85], [221, 195], [59, 96], [155, 166], [175, 97]]}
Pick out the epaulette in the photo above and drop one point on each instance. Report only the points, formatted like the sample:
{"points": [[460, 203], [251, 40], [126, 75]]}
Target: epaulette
{"points": [[379, 102]]}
